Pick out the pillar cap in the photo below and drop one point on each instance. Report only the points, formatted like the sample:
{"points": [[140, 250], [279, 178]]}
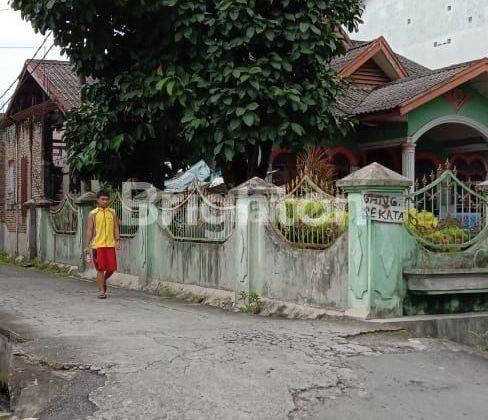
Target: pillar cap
{"points": [[29, 203], [374, 175], [257, 186], [39, 202], [86, 198]]}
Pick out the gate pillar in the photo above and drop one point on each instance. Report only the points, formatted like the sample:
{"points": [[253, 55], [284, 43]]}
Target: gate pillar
{"points": [[42, 222], [376, 240], [252, 200]]}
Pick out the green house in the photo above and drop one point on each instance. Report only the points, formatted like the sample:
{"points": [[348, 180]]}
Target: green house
{"points": [[411, 119]]}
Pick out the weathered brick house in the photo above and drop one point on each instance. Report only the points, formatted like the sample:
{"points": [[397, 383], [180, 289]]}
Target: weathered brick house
{"points": [[32, 152]]}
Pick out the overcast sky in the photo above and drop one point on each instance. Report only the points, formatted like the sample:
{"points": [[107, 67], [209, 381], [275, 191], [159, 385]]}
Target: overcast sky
{"points": [[18, 42]]}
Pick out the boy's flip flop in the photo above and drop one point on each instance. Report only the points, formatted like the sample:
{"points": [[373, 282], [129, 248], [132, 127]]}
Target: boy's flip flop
{"points": [[102, 296]]}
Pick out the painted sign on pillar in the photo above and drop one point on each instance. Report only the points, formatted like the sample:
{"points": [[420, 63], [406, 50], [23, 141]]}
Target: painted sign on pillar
{"points": [[383, 207]]}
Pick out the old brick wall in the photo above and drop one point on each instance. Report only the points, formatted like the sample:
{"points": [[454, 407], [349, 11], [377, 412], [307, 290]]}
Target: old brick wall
{"points": [[2, 175], [37, 160], [23, 160]]}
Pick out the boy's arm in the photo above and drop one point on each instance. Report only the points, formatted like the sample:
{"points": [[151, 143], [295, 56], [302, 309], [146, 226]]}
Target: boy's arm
{"points": [[89, 233]]}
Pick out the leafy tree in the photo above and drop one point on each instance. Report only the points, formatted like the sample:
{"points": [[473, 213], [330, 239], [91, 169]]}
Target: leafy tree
{"points": [[176, 79]]}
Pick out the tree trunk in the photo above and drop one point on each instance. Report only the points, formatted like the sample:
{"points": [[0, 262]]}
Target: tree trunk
{"points": [[247, 166]]}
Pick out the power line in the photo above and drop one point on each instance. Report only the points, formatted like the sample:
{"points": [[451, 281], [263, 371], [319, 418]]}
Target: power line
{"points": [[32, 71], [15, 47], [18, 77]]}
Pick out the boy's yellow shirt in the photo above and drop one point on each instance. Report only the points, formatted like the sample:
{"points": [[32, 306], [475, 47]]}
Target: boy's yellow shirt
{"points": [[105, 220]]}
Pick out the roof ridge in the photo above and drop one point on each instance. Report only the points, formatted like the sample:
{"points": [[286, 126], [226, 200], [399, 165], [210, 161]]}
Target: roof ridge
{"points": [[364, 43], [36, 60], [428, 74], [464, 63]]}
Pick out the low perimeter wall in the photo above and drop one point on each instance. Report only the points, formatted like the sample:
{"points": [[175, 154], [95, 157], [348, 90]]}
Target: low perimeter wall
{"points": [[374, 266], [12, 242], [251, 260]]}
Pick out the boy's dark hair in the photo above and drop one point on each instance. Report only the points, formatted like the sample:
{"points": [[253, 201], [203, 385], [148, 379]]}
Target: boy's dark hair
{"points": [[103, 193]]}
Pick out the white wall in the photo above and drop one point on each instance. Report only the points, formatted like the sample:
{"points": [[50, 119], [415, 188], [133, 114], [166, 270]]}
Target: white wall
{"points": [[430, 22]]}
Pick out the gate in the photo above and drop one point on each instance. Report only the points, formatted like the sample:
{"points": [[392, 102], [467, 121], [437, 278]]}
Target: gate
{"points": [[309, 216], [128, 213], [197, 215], [64, 218], [445, 214]]}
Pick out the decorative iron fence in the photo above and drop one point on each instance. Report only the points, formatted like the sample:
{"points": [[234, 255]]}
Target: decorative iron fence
{"points": [[198, 216], [309, 216], [445, 214], [64, 218], [128, 212]]}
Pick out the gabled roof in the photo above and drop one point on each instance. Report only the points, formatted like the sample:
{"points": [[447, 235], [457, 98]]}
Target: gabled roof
{"points": [[466, 72], [407, 94], [58, 81], [361, 52], [352, 53], [414, 86], [358, 47]]}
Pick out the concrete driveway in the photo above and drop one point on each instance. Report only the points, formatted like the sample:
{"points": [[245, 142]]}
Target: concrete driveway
{"points": [[159, 358]]}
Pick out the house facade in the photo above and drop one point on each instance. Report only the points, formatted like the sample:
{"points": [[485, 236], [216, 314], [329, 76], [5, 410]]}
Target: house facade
{"points": [[32, 151], [410, 118]]}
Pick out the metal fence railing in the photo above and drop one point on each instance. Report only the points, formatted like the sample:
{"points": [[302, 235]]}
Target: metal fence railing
{"points": [[127, 211], [64, 217], [444, 213], [196, 215], [310, 216]]}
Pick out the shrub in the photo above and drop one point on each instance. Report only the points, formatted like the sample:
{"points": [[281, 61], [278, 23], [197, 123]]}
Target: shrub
{"points": [[311, 221], [421, 221], [447, 233]]}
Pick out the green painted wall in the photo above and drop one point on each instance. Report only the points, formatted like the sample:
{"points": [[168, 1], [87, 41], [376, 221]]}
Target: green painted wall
{"points": [[476, 108], [61, 248], [376, 288]]}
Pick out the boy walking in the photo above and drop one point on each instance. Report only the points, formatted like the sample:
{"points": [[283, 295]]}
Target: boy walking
{"points": [[103, 237]]}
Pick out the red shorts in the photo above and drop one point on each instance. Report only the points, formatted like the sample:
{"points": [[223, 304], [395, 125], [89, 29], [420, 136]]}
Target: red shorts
{"points": [[104, 259]]}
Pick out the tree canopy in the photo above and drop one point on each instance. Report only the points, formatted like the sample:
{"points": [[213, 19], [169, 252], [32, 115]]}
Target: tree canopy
{"points": [[176, 80]]}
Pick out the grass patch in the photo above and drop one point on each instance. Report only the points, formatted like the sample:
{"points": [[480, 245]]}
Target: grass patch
{"points": [[167, 292], [37, 264], [5, 258], [250, 303], [186, 296], [483, 340], [3, 381]]}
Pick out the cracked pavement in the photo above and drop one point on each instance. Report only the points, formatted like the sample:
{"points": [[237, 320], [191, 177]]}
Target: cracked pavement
{"points": [[166, 359]]}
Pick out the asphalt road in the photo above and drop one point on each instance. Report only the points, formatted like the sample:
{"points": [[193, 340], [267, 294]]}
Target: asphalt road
{"points": [[165, 359]]}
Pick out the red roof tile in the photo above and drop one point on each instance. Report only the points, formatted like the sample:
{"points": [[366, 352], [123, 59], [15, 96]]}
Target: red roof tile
{"points": [[58, 80]]}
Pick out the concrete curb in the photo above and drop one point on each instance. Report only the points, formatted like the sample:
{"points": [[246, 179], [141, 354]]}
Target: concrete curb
{"points": [[469, 328]]}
